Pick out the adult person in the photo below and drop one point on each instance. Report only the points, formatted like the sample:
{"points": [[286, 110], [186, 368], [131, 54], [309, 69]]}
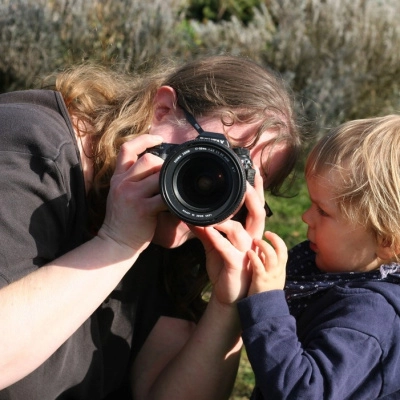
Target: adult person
{"points": [[96, 275], [329, 327]]}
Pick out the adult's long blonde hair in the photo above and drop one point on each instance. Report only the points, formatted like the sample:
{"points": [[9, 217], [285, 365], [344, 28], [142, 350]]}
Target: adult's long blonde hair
{"points": [[114, 107]]}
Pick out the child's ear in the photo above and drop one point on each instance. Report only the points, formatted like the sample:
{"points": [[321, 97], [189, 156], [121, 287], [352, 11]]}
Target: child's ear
{"points": [[164, 102], [387, 249]]}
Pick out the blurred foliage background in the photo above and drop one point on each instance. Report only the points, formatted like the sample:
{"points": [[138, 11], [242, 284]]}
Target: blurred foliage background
{"points": [[340, 57]]}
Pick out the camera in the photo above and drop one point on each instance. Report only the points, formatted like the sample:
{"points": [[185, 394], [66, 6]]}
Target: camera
{"points": [[203, 181]]}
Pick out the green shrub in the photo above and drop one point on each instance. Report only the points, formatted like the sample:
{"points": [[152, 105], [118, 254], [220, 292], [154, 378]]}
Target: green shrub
{"points": [[39, 36], [218, 10], [340, 56]]}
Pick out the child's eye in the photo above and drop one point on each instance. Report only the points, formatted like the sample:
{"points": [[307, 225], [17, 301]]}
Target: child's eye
{"points": [[322, 212]]}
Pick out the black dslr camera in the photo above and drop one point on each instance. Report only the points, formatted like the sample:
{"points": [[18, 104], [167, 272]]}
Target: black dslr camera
{"points": [[203, 181]]}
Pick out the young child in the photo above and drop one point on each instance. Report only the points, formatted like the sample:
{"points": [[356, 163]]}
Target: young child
{"points": [[329, 326]]}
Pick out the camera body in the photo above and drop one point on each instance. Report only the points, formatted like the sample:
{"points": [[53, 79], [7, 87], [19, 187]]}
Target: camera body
{"points": [[203, 181]]}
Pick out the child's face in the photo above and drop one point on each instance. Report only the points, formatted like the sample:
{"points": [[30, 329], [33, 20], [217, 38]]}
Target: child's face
{"points": [[339, 245]]}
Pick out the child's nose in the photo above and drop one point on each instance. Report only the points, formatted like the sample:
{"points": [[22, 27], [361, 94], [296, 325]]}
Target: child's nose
{"points": [[306, 217]]}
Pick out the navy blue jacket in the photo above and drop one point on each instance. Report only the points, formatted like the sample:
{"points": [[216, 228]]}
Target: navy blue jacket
{"points": [[345, 344]]}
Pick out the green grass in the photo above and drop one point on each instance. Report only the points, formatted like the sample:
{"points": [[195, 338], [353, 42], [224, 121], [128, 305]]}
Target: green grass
{"points": [[286, 220], [245, 380]]}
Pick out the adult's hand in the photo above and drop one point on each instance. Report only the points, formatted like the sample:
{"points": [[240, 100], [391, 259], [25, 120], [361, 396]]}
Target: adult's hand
{"points": [[227, 244], [134, 200]]}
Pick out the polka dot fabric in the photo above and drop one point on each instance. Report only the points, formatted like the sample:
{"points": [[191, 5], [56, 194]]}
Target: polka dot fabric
{"points": [[305, 282]]}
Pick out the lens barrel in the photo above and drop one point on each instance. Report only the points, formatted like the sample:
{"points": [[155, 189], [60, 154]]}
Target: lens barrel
{"points": [[203, 183]]}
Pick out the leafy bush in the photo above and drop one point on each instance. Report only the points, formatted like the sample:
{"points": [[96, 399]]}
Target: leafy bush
{"points": [[40, 36], [339, 56], [218, 10]]}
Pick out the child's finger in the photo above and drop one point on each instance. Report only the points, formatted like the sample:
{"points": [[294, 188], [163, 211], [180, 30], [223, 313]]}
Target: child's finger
{"points": [[268, 262], [266, 253], [278, 244], [256, 264]]}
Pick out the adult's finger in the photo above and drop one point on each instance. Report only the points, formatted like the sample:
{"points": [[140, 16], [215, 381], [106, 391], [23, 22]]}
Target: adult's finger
{"points": [[130, 151], [236, 233], [254, 201]]}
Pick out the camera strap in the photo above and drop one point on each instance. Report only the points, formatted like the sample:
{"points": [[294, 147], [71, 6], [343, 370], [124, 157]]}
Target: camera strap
{"points": [[190, 118]]}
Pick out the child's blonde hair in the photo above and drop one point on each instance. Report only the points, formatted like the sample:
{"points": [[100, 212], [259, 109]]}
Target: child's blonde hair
{"points": [[365, 155]]}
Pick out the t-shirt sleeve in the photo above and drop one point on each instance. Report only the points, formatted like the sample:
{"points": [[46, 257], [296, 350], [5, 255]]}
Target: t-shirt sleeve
{"points": [[32, 214], [41, 185]]}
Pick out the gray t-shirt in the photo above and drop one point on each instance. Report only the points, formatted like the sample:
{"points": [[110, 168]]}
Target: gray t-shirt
{"points": [[43, 214]]}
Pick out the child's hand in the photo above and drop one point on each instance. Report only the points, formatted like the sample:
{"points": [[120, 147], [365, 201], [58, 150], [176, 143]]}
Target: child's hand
{"points": [[268, 264]]}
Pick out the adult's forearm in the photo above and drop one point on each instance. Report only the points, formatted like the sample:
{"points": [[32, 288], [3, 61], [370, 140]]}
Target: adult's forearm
{"points": [[206, 367], [40, 311]]}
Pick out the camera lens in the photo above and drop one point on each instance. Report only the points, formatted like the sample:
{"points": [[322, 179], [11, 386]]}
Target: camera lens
{"points": [[202, 183]]}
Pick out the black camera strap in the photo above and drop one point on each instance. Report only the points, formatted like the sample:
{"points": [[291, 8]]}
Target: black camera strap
{"points": [[192, 121]]}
